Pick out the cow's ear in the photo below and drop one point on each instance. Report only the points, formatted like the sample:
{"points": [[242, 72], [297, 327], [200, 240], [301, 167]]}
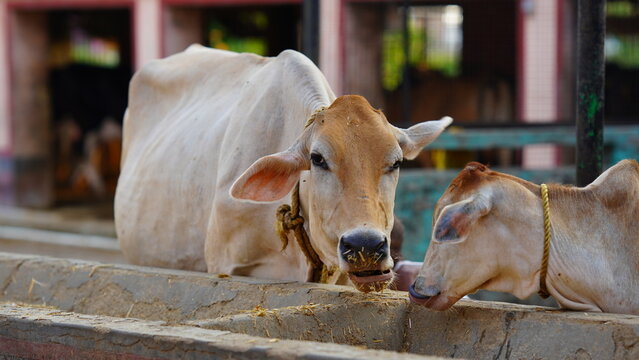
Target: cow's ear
{"points": [[271, 177], [455, 221], [413, 139]]}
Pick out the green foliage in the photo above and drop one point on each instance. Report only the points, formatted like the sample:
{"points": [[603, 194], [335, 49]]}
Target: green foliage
{"points": [[626, 52], [392, 60], [420, 56], [221, 38], [621, 9]]}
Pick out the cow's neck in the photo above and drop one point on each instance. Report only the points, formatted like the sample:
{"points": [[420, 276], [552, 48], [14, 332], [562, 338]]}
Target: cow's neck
{"points": [[581, 271]]}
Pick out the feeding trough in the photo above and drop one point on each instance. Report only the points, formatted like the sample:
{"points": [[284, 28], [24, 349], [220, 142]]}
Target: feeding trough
{"points": [[75, 309]]}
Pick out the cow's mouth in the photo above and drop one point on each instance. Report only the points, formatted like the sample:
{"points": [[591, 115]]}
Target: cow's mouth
{"points": [[371, 280], [438, 302], [370, 273]]}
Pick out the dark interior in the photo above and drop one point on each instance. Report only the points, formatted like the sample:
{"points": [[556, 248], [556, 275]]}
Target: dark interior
{"points": [[90, 68]]}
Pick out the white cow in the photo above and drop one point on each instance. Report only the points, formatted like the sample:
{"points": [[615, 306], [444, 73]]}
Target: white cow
{"points": [[489, 234], [214, 141]]}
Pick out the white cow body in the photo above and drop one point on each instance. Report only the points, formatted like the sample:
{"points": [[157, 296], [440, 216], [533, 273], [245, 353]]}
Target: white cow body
{"points": [[162, 215]]}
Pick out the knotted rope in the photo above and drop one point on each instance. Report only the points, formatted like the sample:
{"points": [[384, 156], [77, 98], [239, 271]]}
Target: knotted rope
{"points": [[543, 290], [289, 220]]}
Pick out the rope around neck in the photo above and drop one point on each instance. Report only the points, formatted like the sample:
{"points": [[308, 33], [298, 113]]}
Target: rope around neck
{"points": [[288, 219], [543, 290]]}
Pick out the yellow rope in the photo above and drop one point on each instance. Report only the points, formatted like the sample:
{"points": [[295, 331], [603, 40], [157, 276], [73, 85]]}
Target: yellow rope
{"points": [[288, 219], [543, 290]]}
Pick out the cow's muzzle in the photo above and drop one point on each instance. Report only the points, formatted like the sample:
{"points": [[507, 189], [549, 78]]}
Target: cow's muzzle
{"points": [[428, 293], [429, 296], [365, 254], [364, 248]]}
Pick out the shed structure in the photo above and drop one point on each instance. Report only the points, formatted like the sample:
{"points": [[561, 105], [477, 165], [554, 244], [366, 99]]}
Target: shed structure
{"points": [[65, 65]]}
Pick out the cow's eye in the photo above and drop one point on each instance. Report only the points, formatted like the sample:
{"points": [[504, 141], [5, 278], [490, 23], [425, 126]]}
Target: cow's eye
{"points": [[395, 166], [318, 160]]}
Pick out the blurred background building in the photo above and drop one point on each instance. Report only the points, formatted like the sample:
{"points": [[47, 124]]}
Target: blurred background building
{"points": [[500, 68], [65, 67]]}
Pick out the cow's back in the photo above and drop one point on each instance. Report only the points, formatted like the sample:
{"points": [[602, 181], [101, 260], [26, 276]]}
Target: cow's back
{"points": [[195, 121], [618, 193]]}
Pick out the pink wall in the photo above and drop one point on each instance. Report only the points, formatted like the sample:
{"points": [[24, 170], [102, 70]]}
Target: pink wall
{"points": [[331, 43], [539, 81], [5, 108], [147, 31]]}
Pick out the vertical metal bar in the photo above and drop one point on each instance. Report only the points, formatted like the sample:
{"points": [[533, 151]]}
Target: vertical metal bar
{"points": [[591, 30], [310, 30], [406, 113]]}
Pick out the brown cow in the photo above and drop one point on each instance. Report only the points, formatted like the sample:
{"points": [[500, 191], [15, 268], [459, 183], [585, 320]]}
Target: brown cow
{"points": [[489, 234]]}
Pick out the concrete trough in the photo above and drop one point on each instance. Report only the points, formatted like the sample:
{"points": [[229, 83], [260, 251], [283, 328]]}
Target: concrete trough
{"points": [[78, 309]]}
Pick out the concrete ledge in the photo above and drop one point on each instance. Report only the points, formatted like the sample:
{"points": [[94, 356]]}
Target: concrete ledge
{"points": [[27, 333], [181, 300], [509, 331], [156, 294]]}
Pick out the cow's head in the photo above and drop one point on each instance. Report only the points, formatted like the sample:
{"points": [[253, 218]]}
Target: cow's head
{"points": [[353, 155], [478, 240]]}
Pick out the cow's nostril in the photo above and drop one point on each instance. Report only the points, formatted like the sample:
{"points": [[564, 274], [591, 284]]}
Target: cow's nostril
{"points": [[363, 242], [363, 246]]}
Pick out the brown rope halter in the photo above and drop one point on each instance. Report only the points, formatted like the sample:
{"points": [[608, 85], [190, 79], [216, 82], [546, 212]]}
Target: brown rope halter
{"points": [[288, 219]]}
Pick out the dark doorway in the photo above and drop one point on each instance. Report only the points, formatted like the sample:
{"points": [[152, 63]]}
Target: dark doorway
{"points": [[90, 67]]}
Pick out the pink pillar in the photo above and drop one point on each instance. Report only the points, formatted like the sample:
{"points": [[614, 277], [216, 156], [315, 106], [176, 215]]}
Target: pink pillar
{"points": [[147, 30], [5, 109], [539, 75], [332, 43]]}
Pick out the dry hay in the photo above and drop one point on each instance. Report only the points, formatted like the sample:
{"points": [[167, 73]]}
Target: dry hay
{"points": [[260, 311]]}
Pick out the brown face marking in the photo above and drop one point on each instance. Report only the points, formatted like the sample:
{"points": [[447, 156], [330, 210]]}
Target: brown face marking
{"points": [[467, 180], [471, 178], [355, 191], [359, 146]]}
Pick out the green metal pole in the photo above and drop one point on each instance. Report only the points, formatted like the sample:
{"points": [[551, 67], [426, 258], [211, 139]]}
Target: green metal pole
{"points": [[591, 30], [310, 29]]}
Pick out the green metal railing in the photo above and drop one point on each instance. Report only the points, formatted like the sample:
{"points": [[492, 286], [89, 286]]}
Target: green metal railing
{"points": [[419, 190]]}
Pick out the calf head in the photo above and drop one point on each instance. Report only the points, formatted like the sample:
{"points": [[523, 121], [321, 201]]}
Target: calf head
{"points": [[480, 224], [353, 156]]}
